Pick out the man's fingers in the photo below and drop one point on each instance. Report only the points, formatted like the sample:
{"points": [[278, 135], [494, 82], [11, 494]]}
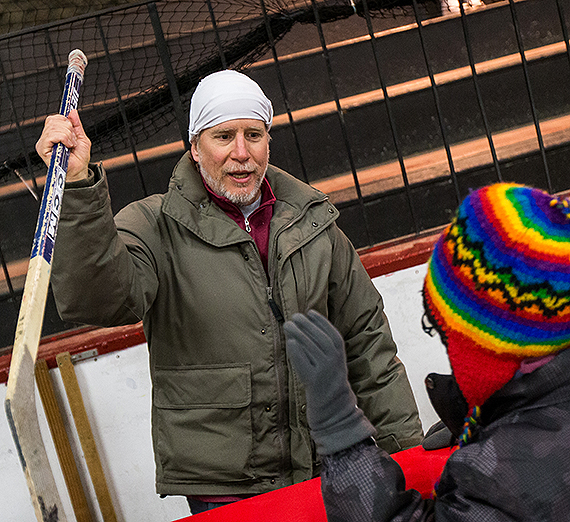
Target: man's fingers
{"points": [[73, 117], [57, 129], [68, 131], [77, 125]]}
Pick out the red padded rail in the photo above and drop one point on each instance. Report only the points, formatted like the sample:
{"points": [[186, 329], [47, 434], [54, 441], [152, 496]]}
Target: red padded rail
{"points": [[303, 502]]}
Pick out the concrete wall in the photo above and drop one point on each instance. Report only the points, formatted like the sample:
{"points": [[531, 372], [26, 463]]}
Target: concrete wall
{"points": [[116, 391]]}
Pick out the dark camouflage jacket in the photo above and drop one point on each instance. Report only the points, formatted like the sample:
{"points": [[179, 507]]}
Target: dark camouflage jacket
{"points": [[515, 468]]}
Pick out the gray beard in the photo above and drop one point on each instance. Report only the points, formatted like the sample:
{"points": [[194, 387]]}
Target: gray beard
{"points": [[242, 199]]}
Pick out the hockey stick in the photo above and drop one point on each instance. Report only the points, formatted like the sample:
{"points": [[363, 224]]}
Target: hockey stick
{"points": [[20, 394]]}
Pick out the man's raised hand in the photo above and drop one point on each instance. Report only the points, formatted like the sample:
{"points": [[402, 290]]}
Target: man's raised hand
{"points": [[70, 132]]}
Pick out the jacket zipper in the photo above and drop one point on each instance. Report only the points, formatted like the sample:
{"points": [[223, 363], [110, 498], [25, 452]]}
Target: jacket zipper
{"points": [[283, 406], [247, 225], [282, 403], [274, 306]]}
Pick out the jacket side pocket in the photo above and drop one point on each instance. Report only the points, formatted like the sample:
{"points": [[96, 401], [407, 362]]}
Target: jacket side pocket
{"points": [[203, 422]]}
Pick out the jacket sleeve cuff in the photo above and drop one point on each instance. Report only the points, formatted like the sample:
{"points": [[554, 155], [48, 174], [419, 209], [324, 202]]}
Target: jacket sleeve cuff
{"points": [[86, 195], [340, 436]]}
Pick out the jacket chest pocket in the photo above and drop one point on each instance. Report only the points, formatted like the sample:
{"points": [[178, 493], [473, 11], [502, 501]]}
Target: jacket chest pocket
{"points": [[202, 421]]}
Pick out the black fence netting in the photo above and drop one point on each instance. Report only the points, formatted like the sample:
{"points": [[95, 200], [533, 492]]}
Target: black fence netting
{"points": [[126, 98], [145, 60]]}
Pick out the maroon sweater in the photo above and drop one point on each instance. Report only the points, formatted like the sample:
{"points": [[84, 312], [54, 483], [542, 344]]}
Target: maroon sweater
{"points": [[257, 224]]}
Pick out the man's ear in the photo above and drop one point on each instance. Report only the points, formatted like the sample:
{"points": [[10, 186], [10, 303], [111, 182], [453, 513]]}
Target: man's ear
{"points": [[194, 150]]}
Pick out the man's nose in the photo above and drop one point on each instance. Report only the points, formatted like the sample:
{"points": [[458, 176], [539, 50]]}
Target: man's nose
{"points": [[240, 151]]}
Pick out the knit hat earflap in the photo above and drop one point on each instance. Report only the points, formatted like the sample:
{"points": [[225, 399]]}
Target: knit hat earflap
{"points": [[498, 285]]}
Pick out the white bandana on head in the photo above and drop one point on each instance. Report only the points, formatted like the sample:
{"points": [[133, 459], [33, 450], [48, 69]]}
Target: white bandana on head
{"points": [[227, 95]]}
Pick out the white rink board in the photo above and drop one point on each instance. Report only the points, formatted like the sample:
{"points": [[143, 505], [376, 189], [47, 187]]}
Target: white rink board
{"points": [[420, 353], [116, 392]]}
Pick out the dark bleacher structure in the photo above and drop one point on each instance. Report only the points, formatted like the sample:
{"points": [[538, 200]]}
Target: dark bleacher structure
{"points": [[396, 109]]}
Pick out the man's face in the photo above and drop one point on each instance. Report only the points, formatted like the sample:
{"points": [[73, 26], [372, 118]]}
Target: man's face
{"points": [[233, 157]]}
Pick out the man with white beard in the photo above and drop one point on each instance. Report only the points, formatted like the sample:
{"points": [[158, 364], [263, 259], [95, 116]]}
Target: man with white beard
{"points": [[213, 268]]}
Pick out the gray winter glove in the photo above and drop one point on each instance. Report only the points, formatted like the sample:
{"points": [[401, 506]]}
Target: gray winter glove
{"points": [[317, 354], [438, 436]]}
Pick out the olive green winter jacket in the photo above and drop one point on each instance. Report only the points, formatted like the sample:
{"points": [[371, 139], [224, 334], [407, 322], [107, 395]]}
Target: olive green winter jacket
{"points": [[228, 415]]}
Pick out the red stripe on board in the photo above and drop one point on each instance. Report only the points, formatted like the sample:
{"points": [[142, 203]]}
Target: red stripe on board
{"points": [[103, 340], [399, 254]]}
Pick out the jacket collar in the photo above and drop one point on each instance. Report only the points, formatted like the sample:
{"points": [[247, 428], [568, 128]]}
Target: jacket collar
{"points": [[188, 202]]}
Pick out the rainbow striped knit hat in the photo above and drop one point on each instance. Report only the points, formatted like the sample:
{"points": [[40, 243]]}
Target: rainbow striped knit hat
{"points": [[498, 285]]}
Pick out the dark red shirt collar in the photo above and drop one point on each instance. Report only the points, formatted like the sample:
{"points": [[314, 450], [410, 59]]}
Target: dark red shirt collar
{"points": [[230, 208], [259, 220]]}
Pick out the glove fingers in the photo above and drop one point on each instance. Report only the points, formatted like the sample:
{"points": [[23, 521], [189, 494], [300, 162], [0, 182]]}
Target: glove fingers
{"points": [[314, 346], [322, 346], [327, 328], [299, 350], [295, 333]]}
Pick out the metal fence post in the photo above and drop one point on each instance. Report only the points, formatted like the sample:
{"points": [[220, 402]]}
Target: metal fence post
{"points": [[121, 105], [342, 122], [217, 35], [284, 91], [478, 91], [169, 72], [437, 104], [389, 113], [530, 95]]}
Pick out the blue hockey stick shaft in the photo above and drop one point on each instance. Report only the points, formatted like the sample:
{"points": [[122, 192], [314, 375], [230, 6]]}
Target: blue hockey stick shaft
{"points": [[20, 400], [48, 218]]}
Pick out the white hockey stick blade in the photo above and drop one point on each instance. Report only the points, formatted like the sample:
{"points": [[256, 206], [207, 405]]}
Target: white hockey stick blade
{"points": [[20, 401]]}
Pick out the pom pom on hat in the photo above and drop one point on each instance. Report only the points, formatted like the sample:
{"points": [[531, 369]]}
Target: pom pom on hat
{"points": [[498, 285]]}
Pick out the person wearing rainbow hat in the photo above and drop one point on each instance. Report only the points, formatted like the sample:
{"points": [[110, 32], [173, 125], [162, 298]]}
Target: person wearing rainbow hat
{"points": [[497, 291]]}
